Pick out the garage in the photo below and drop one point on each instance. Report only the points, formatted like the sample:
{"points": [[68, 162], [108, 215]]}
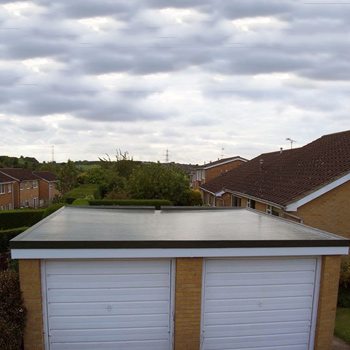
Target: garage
{"points": [[108, 304], [177, 278], [261, 303]]}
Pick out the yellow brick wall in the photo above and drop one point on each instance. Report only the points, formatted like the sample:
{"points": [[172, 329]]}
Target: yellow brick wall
{"points": [[30, 279], [260, 207], [330, 212], [327, 304], [188, 295]]}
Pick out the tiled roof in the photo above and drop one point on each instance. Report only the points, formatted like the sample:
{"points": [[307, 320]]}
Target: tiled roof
{"points": [[283, 177], [221, 161], [5, 178], [19, 173], [45, 175]]}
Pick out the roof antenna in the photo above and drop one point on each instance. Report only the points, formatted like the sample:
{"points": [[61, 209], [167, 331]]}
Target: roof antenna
{"points": [[167, 156], [291, 142], [222, 152]]}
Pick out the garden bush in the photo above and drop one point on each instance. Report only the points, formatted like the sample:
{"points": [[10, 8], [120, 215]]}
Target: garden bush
{"points": [[12, 311], [19, 218], [52, 208], [344, 283], [81, 202], [7, 235], [132, 202]]}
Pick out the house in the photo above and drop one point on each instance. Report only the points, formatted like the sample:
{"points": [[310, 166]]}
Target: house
{"points": [[25, 187], [6, 192], [209, 171], [47, 187], [177, 279], [309, 184]]}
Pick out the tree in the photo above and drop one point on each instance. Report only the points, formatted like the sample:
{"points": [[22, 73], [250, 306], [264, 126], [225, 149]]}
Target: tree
{"points": [[157, 181], [68, 177]]}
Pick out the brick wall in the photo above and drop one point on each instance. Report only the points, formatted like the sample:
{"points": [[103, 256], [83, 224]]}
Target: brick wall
{"points": [[327, 304], [216, 171], [6, 199], [30, 279], [330, 212], [188, 295], [28, 193]]}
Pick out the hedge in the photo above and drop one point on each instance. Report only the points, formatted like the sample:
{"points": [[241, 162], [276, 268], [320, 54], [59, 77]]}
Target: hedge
{"points": [[19, 218], [12, 311], [132, 202], [81, 202], [7, 235]]}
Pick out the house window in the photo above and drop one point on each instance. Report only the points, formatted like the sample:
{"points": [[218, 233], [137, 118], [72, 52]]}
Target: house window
{"points": [[2, 189], [9, 188], [35, 184], [272, 210], [21, 186], [251, 203], [236, 201], [28, 185]]}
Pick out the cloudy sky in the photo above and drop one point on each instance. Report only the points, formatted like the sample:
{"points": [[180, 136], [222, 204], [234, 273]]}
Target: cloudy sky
{"points": [[193, 77]]}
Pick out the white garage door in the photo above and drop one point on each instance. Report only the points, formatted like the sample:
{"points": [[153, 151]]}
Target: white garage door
{"points": [[108, 304], [258, 303]]}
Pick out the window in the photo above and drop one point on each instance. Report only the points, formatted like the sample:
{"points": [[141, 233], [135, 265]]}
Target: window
{"points": [[35, 184], [2, 189], [236, 201], [21, 186], [272, 210], [9, 188], [251, 203], [28, 185]]}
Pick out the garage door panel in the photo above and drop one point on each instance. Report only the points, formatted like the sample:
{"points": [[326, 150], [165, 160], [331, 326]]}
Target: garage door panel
{"points": [[111, 335], [252, 265], [107, 281], [264, 291], [256, 316], [104, 308], [258, 303], [124, 294], [102, 267], [128, 308], [98, 322], [262, 303], [140, 345], [256, 341], [256, 329]]}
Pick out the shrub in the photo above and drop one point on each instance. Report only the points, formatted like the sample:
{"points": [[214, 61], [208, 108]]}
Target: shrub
{"points": [[81, 202], [194, 198], [344, 283], [82, 192], [19, 218], [12, 311], [7, 235], [52, 208], [133, 202]]}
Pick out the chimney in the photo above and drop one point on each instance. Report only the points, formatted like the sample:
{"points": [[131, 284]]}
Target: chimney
{"points": [[281, 150]]}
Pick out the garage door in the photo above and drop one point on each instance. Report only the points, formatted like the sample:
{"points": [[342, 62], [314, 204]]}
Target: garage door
{"points": [[258, 303], [108, 304]]}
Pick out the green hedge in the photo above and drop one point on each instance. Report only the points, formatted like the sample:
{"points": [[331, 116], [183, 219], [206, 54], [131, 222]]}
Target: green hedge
{"points": [[19, 218], [12, 311], [132, 202], [81, 202], [7, 235]]}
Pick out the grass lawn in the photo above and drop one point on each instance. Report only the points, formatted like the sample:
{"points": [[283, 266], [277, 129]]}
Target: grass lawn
{"points": [[82, 191], [342, 324]]}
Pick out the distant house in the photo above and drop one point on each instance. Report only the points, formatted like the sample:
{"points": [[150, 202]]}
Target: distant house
{"points": [[310, 184], [47, 186], [25, 187], [6, 192], [207, 172]]}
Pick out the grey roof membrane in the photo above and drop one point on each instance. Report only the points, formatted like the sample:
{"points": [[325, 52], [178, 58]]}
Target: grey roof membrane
{"points": [[76, 227]]}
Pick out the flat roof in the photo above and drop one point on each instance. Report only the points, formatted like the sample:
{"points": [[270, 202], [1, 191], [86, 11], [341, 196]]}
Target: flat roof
{"points": [[91, 227]]}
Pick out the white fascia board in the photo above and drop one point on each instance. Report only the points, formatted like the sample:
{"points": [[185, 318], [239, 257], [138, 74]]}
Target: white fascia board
{"points": [[310, 197], [173, 253]]}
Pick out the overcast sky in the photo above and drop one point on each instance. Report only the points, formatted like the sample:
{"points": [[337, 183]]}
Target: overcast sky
{"points": [[92, 76]]}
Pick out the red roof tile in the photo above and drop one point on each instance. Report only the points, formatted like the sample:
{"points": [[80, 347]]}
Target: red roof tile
{"points": [[19, 173], [283, 177], [5, 178]]}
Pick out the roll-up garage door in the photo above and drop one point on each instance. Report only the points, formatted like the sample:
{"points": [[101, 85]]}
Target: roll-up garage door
{"points": [[258, 303], [108, 304]]}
